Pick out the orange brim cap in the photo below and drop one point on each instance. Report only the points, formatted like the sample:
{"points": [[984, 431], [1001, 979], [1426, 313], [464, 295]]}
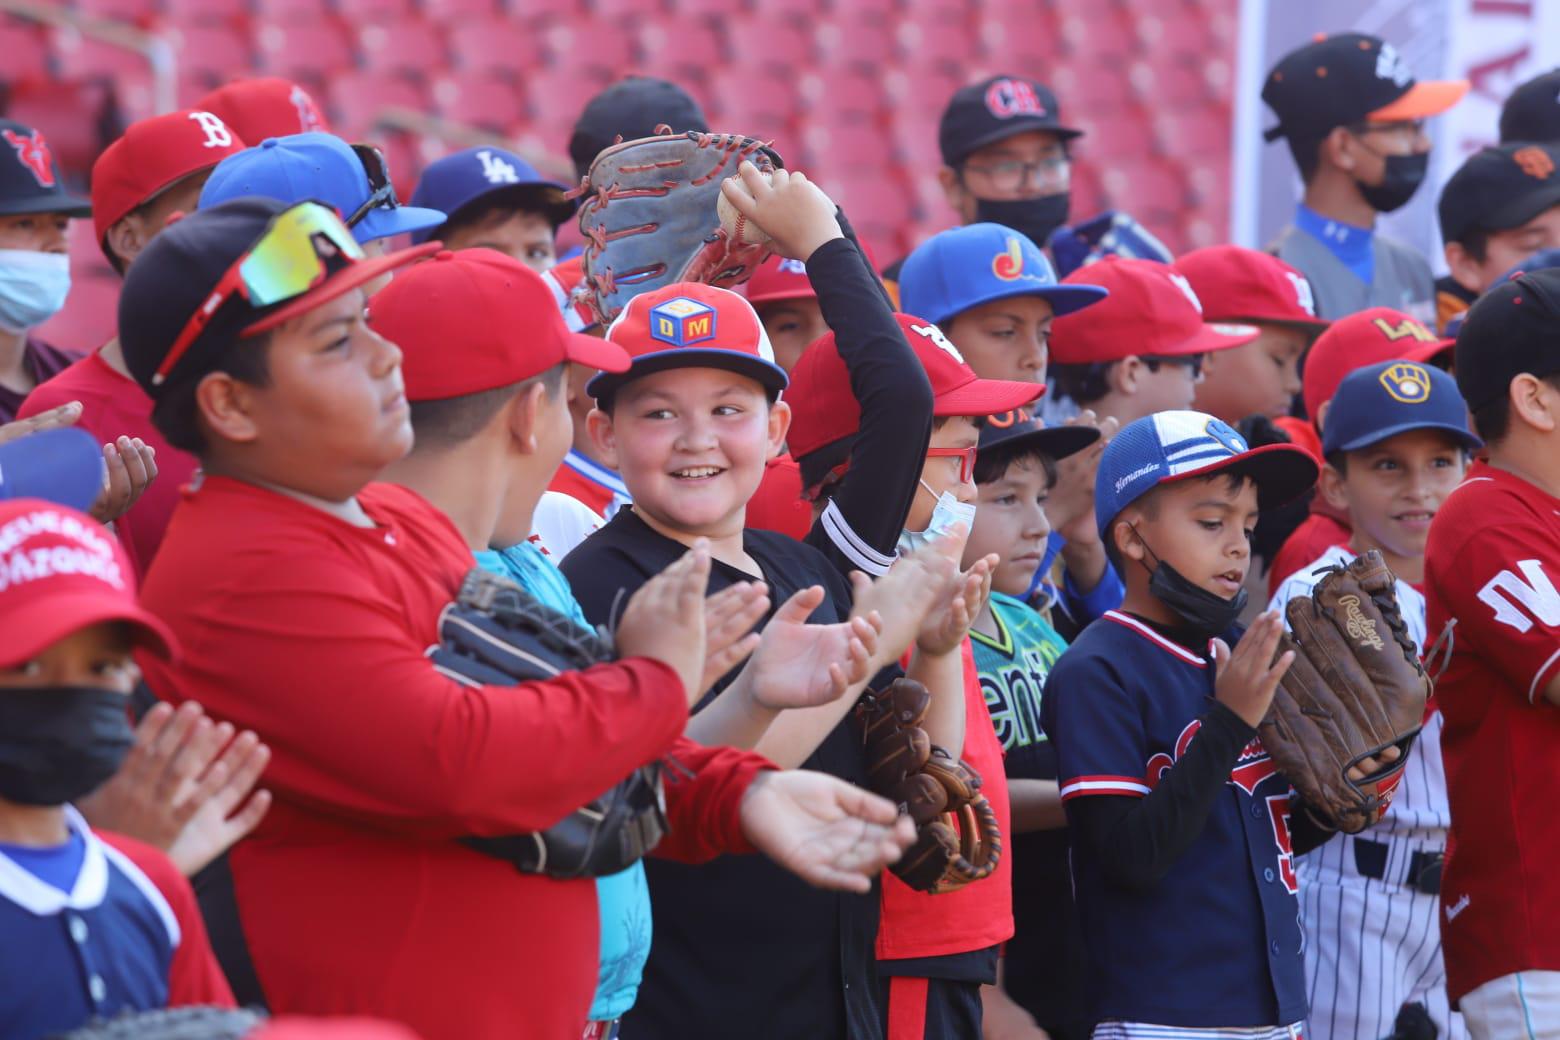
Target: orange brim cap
{"points": [[1422, 100]]}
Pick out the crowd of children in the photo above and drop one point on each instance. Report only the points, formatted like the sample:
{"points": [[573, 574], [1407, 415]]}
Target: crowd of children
{"points": [[230, 773]]}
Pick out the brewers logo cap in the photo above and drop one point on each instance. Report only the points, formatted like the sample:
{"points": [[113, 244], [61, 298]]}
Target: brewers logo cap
{"points": [[1393, 397], [690, 325], [1364, 338], [965, 267], [994, 109]]}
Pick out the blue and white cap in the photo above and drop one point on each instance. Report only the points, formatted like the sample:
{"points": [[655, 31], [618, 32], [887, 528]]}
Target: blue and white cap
{"points": [[1168, 446]]}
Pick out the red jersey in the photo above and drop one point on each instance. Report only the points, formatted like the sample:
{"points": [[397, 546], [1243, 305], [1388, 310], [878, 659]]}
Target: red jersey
{"points": [[355, 896], [978, 916], [1492, 566], [114, 406], [778, 504], [1317, 533]]}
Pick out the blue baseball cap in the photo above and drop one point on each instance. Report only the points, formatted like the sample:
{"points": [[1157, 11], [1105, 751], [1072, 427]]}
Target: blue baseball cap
{"points": [[474, 175], [318, 166], [965, 267], [1393, 397], [1171, 446], [62, 466]]}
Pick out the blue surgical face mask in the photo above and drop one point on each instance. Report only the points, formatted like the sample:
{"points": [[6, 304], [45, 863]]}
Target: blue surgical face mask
{"points": [[947, 512], [33, 287]]}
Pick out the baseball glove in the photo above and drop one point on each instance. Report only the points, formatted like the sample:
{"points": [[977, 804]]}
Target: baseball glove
{"points": [[498, 634], [957, 839], [1356, 688], [649, 216]]}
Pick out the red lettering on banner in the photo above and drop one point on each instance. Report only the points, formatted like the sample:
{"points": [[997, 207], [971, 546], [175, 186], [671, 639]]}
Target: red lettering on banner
{"points": [[1481, 74]]}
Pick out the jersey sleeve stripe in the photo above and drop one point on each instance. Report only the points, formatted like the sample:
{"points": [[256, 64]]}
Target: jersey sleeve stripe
{"points": [[1538, 677], [148, 889], [1131, 786], [851, 544]]}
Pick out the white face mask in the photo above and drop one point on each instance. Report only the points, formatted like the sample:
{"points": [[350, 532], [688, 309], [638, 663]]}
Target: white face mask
{"points": [[947, 512], [33, 287]]}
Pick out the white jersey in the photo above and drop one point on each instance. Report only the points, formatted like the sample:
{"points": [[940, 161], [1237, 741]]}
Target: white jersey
{"points": [[560, 523]]}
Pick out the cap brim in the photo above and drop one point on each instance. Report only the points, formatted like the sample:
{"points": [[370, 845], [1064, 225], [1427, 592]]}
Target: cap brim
{"points": [[1056, 441], [1213, 336], [1462, 433], [986, 397], [60, 466], [1432, 353], [1312, 327], [1014, 127], [1282, 472], [70, 205], [382, 223], [800, 292], [1422, 100], [597, 353], [62, 614], [1064, 299], [771, 376], [1521, 209], [343, 281]]}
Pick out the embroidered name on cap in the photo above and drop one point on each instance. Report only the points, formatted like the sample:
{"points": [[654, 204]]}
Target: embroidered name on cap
{"points": [[1408, 383], [682, 322]]}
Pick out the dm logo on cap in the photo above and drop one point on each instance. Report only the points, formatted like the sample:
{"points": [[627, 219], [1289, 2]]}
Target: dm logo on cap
{"points": [[682, 322], [1008, 265], [1407, 382]]}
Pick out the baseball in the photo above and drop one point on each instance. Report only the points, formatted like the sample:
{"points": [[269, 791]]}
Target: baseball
{"points": [[738, 227]]}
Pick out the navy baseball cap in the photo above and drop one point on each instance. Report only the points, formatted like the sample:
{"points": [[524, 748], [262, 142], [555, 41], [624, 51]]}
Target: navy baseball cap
{"points": [[1393, 397], [965, 267], [490, 175], [316, 166], [1532, 112], [995, 109], [1171, 446], [1500, 188], [30, 178], [62, 466], [630, 109], [1510, 330], [1019, 430]]}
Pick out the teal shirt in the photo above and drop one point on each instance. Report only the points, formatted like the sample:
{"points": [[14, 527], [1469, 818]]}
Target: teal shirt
{"points": [[623, 899], [1013, 667]]}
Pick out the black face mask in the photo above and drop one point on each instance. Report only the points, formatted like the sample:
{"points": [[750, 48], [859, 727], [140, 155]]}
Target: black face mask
{"points": [[1035, 218], [1404, 174], [1204, 613], [58, 743]]}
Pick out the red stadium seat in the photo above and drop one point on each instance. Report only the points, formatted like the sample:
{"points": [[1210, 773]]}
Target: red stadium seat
{"points": [[588, 42], [1148, 190], [925, 45], [288, 10], [616, 9], [1081, 87], [773, 42], [312, 51], [914, 136], [1109, 139], [1211, 181], [743, 93], [831, 151], [26, 49], [677, 49], [721, 9], [478, 99], [1018, 53], [374, 12], [1163, 36], [409, 47], [1088, 197], [356, 99], [556, 96], [937, 10], [1168, 82], [450, 11], [202, 12], [211, 52], [69, 112], [848, 95], [912, 89], [132, 11], [1204, 130], [79, 56], [853, 40], [500, 46], [1094, 28]]}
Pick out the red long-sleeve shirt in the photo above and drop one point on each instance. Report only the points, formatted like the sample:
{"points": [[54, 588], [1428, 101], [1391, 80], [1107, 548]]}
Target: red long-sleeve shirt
{"points": [[353, 895]]}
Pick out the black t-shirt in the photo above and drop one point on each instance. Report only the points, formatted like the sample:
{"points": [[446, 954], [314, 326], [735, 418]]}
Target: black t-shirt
{"points": [[743, 946]]}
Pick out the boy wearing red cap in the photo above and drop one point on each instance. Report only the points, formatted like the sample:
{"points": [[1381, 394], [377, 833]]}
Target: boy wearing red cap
{"points": [[787, 304], [1247, 287], [94, 923], [306, 596], [141, 180], [265, 106]]}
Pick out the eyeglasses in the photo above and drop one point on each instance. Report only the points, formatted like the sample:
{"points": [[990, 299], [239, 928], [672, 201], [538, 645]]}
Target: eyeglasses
{"points": [[381, 187], [1053, 173], [1191, 361], [966, 457], [1410, 126], [287, 260]]}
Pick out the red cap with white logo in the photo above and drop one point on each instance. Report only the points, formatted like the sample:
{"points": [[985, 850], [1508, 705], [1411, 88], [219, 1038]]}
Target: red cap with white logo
{"points": [[268, 106], [1240, 285], [779, 278], [824, 409], [62, 571], [1152, 311]]}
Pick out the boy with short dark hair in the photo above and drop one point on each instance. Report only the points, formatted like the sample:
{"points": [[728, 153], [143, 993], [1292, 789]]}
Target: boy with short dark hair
{"points": [[787, 304], [493, 200], [1492, 566], [1396, 446], [1354, 119]]}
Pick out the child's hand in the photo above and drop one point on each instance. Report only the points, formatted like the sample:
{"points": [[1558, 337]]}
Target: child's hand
{"points": [[130, 466], [664, 620], [791, 209], [1247, 678], [798, 665], [729, 617], [963, 597], [1070, 505], [900, 600]]}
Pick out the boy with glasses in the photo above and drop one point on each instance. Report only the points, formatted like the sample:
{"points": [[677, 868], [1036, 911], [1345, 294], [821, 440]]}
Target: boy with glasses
{"points": [[1354, 119]]}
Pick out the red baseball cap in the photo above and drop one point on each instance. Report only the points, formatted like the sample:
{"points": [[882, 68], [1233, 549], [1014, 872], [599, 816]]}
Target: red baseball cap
{"points": [[477, 320], [824, 409], [690, 325], [1152, 310], [150, 157], [61, 571], [265, 107], [779, 278], [1243, 285], [1365, 338]]}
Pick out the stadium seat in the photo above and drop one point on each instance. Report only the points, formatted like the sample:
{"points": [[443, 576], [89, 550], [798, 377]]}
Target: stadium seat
{"points": [[914, 137], [410, 47], [78, 56], [311, 51], [1148, 190], [26, 49], [478, 99], [772, 42], [937, 10], [847, 95], [71, 114], [677, 49], [1108, 140], [1080, 88], [499, 46], [556, 96], [449, 12], [835, 151], [374, 12], [355, 99], [211, 51], [851, 40], [203, 12], [1168, 82], [132, 11], [1196, 131], [925, 45], [288, 10], [588, 43], [618, 9]]}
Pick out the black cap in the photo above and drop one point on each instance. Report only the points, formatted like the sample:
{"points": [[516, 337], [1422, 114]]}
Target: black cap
{"points": [[1346, 79], [1513, 328], [30, 178], [1532, 112], [631, 108], [1016, 429], [1500, 188], [995, 109]]}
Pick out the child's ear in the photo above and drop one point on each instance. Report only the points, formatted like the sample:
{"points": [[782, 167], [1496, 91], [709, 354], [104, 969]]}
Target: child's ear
{"points": [[223, 405], [1333, 490], [1535, 401], [779, 426], [1127, 541], [1320, 418], [525, 410], [604, 436], [1465, 270], [1123, 375], [1338, 149]]}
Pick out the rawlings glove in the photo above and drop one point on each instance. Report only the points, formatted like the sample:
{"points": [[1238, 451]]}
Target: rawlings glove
{"points": [[957, 840], [649, 216], [1356, 688], [1109, 234], [498, 634]]}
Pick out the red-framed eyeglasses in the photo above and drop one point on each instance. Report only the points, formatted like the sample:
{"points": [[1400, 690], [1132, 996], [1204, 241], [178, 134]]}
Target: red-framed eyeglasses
{"points": [[966, 457]]}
